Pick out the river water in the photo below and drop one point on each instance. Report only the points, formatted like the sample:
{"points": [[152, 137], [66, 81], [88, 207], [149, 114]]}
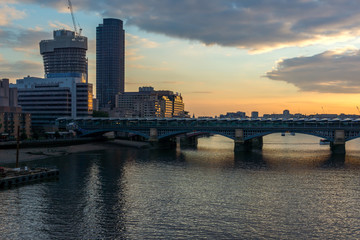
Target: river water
{"points": [[292, 189]]}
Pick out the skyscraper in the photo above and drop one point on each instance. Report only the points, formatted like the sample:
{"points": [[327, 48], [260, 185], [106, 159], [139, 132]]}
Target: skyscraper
{"points": [[110, 61]]}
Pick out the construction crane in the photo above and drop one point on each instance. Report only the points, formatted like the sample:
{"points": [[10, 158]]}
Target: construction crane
{"points": [[358, 109], [73, 19]]}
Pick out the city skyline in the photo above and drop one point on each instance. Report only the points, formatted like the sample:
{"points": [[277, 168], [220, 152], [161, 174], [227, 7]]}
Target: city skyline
{"points": [[223, 56]]}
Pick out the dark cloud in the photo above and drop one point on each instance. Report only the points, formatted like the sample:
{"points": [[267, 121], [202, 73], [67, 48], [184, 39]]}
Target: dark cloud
{"points": [[22, 38], [257, 25], [328, 72]]}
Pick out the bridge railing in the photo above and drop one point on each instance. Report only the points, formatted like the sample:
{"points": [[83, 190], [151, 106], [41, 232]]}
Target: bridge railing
{"points": [[92, 123]]}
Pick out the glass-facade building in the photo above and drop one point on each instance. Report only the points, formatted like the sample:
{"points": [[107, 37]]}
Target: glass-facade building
{"points": [[110, 61]]}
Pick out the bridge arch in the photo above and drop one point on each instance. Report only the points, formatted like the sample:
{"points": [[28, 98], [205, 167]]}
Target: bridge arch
{"points": [[352, 138], [98, 132], [321, 134], [177, 133]]}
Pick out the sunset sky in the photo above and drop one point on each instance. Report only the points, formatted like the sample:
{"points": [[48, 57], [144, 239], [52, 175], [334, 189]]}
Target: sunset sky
{"points": [[222, 56]]}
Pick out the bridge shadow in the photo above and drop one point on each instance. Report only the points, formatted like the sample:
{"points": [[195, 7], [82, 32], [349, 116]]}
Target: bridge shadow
{"points": [[160, 155], [250, 160], [334, 161]]}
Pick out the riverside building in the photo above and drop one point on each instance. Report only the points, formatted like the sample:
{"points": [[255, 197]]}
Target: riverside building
{"points": [[50, 98], [12, 118], [65, 91], [150, 103], [110, 61]]}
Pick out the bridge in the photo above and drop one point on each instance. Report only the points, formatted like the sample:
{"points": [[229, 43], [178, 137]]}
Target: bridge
{"points": [[246, 133]]}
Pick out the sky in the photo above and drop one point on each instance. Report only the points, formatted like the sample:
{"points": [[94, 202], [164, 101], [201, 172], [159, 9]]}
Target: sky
{"points": [[221, 55]]}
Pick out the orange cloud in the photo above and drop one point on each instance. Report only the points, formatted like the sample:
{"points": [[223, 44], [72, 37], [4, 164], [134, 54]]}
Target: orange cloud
{"points": [[7, 14]]}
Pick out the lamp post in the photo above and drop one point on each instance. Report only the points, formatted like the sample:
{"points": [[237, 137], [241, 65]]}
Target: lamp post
{"points": [[17, 146]]}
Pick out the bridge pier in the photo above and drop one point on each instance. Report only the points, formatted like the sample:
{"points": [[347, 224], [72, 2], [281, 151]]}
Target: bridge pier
{"points": [[156, 144], [257, 142], [242, 145], [338, 145]]}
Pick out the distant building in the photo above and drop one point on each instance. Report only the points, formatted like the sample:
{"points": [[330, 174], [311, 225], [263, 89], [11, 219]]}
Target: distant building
{"points": [[11, 116], [254, 114], [8, 96], [150, 103], [234, 115], [177, 106], [95, 104], [110, 61], [286, 114]]}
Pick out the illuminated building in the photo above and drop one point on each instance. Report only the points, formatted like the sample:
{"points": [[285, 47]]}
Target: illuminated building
{"points": [[149, 103]]}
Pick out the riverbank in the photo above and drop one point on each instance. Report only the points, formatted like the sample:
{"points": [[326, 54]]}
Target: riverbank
{"points": [[36, 153]]}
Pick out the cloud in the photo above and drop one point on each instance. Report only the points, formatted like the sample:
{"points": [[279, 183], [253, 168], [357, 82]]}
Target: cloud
{"points": [[8, 13], [172, 82], [133, 40], [150, 68], [257, 25], [59, 25], [132, 55], [202, 92], [23, 38], [11, 69], [335, 71]]}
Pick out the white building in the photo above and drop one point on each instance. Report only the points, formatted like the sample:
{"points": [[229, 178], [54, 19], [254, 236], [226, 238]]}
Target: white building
{"points": [[50, 98]]}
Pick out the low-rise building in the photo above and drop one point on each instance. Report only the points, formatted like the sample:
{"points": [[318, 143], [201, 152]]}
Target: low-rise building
{"points": [[254, 114], [65, 95], [149, 103], [234, 115], [12, 118]]}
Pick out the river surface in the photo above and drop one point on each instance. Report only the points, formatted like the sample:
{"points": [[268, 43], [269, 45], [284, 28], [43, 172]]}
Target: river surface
{"points": [[292, 189]]}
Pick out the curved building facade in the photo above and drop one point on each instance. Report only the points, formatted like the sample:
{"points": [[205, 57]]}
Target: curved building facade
{"points": [[66, 53]]}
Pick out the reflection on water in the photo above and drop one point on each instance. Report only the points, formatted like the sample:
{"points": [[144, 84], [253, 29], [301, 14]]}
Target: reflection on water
{"points": [[293, 189]]}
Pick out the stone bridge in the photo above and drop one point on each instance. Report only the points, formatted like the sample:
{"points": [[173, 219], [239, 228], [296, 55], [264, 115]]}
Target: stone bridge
{"points": [[246, 133]]}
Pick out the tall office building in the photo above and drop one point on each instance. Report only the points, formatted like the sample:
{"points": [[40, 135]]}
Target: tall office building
{"points": [[110, 61], [66, 53]]}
